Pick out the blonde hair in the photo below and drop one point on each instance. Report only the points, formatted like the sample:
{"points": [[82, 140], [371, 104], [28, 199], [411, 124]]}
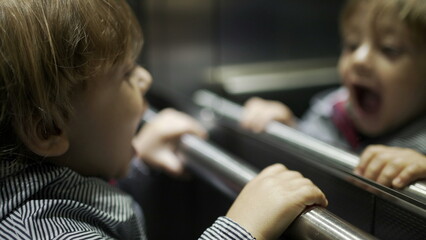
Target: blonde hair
{"points": [[410, 12], [51, 48]]}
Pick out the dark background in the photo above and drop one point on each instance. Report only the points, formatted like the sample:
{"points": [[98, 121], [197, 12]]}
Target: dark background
{"points": [[186, 38]]}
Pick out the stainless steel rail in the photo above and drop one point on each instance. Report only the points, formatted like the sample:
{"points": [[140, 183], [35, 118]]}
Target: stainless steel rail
{"points": [[303, 144], [231, 175]]}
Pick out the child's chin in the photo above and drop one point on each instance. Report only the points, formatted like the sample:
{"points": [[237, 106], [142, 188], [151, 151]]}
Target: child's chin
{"points": [[368, 126], [370, 129]]}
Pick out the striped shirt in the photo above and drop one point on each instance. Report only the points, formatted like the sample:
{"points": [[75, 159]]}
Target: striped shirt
{"points": [[225, 228], [43, 201]]}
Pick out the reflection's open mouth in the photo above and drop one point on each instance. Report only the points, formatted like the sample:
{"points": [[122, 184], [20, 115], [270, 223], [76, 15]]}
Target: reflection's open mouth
{"points": [[367, 99]]}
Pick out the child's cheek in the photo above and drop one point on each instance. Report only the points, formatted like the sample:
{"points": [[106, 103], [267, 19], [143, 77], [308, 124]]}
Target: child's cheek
{"points": [[343, 70]]}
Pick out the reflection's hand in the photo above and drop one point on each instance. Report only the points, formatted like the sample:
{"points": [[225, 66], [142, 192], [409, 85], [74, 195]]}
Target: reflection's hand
{"points": [[272, 200], [156, 143], [258, 113], [392, 166]]}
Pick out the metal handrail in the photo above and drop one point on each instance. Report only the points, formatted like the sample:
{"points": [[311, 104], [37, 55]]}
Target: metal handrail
{"points": [[231, 174], [303, 144]]}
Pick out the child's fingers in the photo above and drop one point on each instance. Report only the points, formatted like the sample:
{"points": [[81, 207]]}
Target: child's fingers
{"points": [[285, 115], [258, 123], [258, 113], [181, 124], [280, 113], [166, 160], [409, 174], [272, 170], [193, 127], [314, 196], [389, 173], [156, 141], [308, 193], [252, 113], [392, 166], [272, 200], [261, 120], [375, 167], [366, 157]]}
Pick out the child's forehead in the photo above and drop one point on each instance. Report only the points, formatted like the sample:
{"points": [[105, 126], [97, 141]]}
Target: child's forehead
{"points": [[369, 17]]}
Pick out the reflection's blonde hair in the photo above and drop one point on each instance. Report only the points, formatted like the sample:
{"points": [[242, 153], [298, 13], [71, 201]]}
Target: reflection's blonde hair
{"points": [[410, 12], [51, 48]]}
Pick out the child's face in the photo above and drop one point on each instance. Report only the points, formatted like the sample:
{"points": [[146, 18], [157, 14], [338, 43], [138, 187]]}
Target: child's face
{"points": [[383, 70], [106, 117]]}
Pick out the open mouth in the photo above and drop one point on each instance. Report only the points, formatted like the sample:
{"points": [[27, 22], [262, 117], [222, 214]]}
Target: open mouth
{"points": [[368, 100]]}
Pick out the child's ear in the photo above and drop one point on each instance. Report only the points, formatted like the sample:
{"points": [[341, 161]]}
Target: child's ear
{"points": [[45, 144]]}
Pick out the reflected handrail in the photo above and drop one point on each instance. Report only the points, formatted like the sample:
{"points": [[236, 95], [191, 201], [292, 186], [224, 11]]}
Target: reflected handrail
{"points": [[302, 143]]}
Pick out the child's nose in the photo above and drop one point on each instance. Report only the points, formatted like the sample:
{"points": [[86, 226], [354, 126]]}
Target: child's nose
{"points": [[363, 53], [362, 59]]}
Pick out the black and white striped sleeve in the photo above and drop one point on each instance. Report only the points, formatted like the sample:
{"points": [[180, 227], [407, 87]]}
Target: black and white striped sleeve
{"points": [[225, 229]]}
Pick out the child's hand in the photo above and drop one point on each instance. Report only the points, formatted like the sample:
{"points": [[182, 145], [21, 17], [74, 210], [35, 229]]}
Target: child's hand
{"points": [[272, 200], [392, 166], [157, 141], [258, 113]]}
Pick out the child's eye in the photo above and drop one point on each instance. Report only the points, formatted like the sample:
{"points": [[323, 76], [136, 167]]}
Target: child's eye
{"points": [[349, 46], [391, 52], [128, 74]]}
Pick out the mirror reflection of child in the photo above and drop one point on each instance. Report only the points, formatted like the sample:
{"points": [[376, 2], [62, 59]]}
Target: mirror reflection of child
{"points": [[71, 97], [383, 98]]}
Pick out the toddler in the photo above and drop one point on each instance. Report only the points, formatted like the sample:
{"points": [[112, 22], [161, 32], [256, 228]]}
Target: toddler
{"points": [[383, 97], [71, 98]]}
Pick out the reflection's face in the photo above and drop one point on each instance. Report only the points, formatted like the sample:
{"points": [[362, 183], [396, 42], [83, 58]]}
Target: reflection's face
{"points": [[106, 117], [383, 70]]}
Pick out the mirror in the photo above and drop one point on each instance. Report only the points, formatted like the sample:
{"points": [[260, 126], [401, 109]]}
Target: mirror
{"points": [[284, 51], [279, 50]]}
